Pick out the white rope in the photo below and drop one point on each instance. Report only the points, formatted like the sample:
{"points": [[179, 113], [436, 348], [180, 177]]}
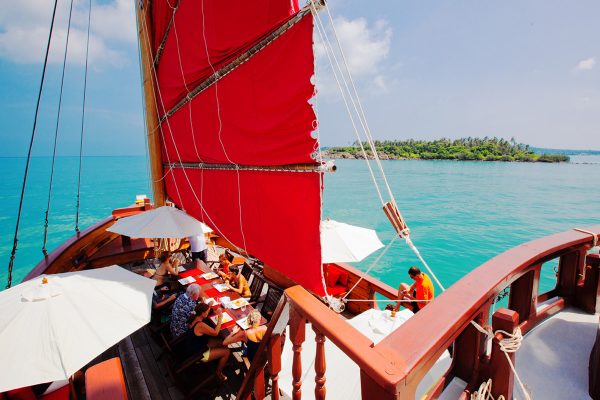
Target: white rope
{"points": [[330, 53], [157, 98], [216, 85], [418, 253], [319, 154], [485, 392], [190, 110], [375, 262], [358, 109], [387, 300], [594, 235], [510, 343], [158, 129], [147, 155]]}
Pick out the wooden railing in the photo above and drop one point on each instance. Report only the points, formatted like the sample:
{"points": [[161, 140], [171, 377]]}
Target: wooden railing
{"points": [[367, 289], [85, 248], [393, 368]]}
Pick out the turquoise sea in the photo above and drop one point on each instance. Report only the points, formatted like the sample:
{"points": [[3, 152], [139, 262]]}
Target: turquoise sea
{"points": [[460, 213]]}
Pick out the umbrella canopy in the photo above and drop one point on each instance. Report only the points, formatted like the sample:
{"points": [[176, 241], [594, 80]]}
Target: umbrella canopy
{"points": [[342, 242], [162, 222], [50, 330]]}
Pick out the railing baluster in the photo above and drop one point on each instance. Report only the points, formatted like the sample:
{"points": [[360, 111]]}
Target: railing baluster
{"points": [[259, 385], [274, 365], [320, 365], [297, 336], [501, 373]]}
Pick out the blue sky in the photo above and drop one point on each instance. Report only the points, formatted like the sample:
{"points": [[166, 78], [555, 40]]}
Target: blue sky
{"points": [[424, 69]]}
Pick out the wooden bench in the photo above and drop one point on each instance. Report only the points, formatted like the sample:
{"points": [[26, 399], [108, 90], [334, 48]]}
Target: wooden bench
{"points": [[105, 381]]}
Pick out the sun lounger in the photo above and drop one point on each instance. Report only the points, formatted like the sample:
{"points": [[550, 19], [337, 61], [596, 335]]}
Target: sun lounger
{"points": [[105, 381]]}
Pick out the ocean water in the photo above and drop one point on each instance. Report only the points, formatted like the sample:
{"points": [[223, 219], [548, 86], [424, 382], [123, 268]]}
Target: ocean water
{"points": [[460, 213]]}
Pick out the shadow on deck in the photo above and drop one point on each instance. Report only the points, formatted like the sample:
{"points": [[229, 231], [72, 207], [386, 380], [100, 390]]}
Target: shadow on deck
{"points": [[148, 378]]}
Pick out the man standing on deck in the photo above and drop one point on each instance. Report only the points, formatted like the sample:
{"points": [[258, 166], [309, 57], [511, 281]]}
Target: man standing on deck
{"points": [[198, 248], [421, 290]]}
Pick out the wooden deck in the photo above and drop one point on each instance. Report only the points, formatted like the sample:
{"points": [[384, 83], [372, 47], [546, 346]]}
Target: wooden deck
{"points": [[147, 375]]}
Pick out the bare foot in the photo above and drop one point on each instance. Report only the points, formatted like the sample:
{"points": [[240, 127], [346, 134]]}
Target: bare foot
{"points": [[221, 376]]}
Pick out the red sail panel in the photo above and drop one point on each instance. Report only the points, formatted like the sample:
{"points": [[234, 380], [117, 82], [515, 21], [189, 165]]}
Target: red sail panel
{"points": [[259, 114], [209, 34], [162, 11], [276, 217]]}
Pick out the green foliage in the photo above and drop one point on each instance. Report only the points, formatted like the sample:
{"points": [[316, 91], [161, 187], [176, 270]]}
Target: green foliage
{"points": [[486, 149]]}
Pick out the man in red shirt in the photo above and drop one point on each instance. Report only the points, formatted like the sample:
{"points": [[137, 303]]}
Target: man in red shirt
{"points": [[421, 290]]}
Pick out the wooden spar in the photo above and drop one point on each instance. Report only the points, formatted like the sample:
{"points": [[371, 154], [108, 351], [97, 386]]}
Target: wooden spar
{"points": [[391, 211], [153, 129], [322, 168]]}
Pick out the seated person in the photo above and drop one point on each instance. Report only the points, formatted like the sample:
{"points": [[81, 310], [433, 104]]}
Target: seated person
{"points": [[225, 260], [251, 336], [236, 282], [182, 309], [421, 289], [168, 266], [200, 338], [162, 297]]}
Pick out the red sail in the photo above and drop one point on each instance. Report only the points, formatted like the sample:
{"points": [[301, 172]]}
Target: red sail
{"points": [[257, 115]]}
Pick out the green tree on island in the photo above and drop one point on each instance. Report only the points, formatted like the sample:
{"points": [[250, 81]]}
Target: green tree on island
{"points": [[474, 149]]}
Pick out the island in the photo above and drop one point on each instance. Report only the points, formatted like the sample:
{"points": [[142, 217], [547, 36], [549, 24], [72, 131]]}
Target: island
{"points": [[464, 149]]}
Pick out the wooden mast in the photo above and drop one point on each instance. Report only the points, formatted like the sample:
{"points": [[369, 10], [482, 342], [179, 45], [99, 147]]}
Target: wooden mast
{"points": [[146, 35]]}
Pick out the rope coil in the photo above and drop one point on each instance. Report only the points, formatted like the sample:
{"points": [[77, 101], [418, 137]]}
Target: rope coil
{"points": [[510, 343]]}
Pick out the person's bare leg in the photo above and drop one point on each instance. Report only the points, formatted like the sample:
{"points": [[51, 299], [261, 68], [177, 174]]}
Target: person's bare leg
{"points": [[402, 288], [201, 265], [214, 343], [221, 354]]}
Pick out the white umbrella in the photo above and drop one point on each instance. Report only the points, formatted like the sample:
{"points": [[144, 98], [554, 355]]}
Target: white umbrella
{"points": [[341, 242], [162, 222], [48, 331]]}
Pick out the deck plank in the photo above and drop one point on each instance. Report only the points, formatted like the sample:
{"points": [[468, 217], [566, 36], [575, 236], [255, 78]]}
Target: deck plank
{"points": [[155, 381], [134, 377]]}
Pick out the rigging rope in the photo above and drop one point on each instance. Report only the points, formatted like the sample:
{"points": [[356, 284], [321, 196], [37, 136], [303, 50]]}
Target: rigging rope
{"points": [[510, 343], [62, 81], [160, 132], [594, 235], [87, 48], [485, 392], [375, 262], [359, 111], [37, 107], [218, 104], [324, 38], [144, 110]]}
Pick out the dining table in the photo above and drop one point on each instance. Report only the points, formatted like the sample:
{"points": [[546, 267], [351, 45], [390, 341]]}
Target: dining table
{"points": [[211, 284]]}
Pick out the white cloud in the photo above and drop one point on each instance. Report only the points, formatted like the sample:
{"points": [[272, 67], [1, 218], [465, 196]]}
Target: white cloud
{"points": [[24, 29], [365, 48], [586, 64]]}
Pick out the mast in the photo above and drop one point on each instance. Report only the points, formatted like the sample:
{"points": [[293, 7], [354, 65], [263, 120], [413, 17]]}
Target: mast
{"points": [[145, 36]]}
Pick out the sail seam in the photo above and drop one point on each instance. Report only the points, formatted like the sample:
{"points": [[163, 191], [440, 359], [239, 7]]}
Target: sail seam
{"points": [[159, 131], [161, 47], [324, 167], [242, 58]]}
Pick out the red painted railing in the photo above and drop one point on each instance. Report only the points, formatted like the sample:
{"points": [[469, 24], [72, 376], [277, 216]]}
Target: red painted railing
{"points": [[394, 367]]}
